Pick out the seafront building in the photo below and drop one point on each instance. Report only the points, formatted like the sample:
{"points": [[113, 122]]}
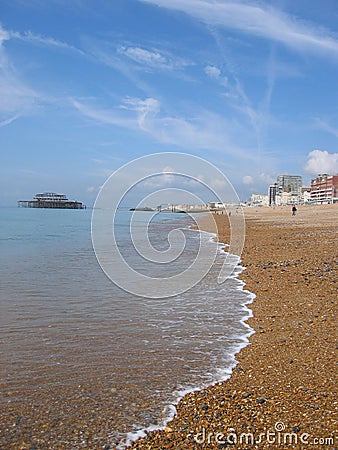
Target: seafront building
{"points": [[215, 206], [324, 189], [306, 194], [51, 200], [272, 194], [259, 200], [287, 190], [292, 184]]}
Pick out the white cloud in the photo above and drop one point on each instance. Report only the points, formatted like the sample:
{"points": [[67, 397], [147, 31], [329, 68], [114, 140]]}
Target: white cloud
{"points": [[5, 122], [247, 179], [321, 161], [257, 19], [4, 35], [267, 178], [168, 169], [143, 56], [144, 108], [212, 71], [152, 59], [215, 73]]}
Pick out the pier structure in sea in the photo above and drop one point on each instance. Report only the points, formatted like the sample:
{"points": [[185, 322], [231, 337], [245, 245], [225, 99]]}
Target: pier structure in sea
{"points": [[51, 200]]}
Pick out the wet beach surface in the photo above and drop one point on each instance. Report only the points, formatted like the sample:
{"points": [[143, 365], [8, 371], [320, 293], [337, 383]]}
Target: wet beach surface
{"points": [[283, 391], [82, 362]]}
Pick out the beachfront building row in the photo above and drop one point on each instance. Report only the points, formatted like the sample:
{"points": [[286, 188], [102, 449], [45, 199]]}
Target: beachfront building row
{"points": [[324, 189], [288, 190], [286, 198]]}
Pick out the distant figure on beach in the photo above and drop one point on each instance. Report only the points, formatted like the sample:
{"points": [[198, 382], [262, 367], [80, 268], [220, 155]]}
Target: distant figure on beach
{"points": [[294, 210]]}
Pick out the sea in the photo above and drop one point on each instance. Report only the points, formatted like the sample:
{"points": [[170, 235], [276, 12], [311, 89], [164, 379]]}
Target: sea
{"points": [[93, 357]]}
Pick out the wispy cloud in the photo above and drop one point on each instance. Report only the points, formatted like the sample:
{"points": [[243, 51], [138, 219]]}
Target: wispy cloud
{"points": [[152, 59], [37, 39], [133, 60], [255, 113], [5, 122], [322, 125], [257, 19], [200, 132], [106, 53], [16, 97], [104, 116]]}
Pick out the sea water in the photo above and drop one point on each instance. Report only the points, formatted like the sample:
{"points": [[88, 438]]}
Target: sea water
{"points": [[110, 360]]}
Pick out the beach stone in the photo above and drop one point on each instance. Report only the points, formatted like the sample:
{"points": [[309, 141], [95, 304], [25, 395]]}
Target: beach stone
{"points": [[261, 400], [247, 395], [225, 444]]}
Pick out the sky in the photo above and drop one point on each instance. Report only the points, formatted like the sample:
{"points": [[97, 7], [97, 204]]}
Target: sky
{"points": [[87, 86]]}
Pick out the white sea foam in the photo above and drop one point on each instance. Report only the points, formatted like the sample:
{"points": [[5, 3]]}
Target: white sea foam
{"points": [[62, 295], [221, 374]]}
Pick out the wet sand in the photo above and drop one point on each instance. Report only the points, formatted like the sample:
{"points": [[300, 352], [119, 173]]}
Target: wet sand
{"points": [[282, 392]]}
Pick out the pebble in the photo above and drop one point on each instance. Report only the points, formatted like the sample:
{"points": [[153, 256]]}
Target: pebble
{"points": [[247, 395]]}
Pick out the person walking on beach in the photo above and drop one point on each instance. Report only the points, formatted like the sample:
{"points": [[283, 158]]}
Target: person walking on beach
{"points": [[294, 210]]}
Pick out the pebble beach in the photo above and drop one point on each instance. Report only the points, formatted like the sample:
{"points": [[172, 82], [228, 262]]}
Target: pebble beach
{"points": [[283, 391]]}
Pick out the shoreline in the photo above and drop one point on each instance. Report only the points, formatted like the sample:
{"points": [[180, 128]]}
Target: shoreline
{"points": [[284, 382], [61, 408], [204, 227]]}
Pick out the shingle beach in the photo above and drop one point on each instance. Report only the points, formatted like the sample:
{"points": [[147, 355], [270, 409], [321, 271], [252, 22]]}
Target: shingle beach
{"points": [[283, 391]]}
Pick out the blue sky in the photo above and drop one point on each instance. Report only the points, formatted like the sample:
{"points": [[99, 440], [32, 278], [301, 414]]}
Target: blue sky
{"points": [[87, 86]]}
